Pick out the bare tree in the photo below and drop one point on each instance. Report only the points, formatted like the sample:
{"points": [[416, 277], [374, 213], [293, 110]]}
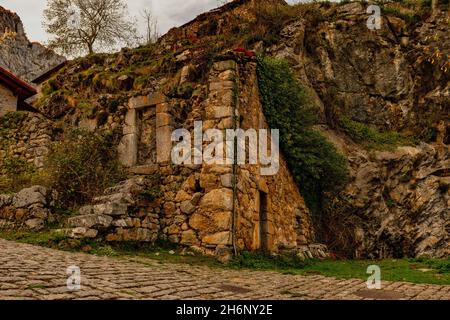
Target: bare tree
{"points": [[151, 24], [434, 6], [86, 26]]}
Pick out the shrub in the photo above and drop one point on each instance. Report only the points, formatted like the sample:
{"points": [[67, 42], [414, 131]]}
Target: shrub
{"points": [[372, 138], [82, 165], [317, 166]]}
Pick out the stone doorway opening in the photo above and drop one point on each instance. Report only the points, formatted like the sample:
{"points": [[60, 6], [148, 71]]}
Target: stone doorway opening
{"points": [[263, 222]]}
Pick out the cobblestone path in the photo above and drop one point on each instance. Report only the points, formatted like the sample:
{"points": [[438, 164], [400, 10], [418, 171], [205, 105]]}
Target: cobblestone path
{"points": [[29, 272]]}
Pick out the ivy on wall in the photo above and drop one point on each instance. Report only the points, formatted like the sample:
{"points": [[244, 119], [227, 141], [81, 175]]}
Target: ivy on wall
{"points": [[315, 163]]}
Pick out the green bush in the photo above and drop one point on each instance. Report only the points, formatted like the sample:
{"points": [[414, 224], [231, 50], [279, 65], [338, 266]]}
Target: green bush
{"points": [[82, 165], [316, 164], [372, 138]]}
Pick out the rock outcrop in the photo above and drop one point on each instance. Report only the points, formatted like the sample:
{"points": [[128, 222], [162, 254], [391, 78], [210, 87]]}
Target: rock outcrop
{"points": [[26, 59]]}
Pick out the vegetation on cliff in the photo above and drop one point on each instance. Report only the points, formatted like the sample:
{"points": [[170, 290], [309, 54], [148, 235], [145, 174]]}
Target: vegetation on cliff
{"points": [[315, 163]]}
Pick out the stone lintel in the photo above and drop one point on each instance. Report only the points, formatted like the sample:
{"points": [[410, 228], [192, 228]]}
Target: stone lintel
{"points": [[150, 100]]}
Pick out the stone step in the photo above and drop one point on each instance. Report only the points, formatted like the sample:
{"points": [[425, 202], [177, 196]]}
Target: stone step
{"points": [[124, 198], [108, 208]]}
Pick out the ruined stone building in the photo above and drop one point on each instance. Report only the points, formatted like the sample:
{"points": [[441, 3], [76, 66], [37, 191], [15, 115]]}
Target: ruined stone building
{"points": [[215, 208]]}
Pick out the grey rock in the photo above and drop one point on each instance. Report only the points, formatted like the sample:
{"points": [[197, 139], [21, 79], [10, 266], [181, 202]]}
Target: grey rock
{"points": [[29, 196], [90, 221], [35, 224]]}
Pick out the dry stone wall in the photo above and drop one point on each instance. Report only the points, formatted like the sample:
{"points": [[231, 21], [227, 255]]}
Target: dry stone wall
{"points": [[27, 136], [30, 209]]}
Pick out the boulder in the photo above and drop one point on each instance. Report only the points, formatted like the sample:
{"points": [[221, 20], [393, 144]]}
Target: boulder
{"points": [[29, 196]]}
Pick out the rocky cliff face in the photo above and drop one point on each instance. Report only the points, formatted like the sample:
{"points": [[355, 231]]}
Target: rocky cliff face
{"points": [[395, 79], [26, 59]]}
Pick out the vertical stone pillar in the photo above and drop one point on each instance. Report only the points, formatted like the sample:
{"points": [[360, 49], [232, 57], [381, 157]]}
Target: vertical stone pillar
{"points": [[164, 130], [128, 147]]}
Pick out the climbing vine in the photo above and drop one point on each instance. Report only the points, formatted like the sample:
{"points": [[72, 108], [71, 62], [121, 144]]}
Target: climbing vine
{"points": [[316, 164]]}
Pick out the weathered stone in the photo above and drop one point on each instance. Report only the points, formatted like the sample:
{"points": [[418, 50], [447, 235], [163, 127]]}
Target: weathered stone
{"points": [[120, 223], [187, 207], [111, 209], [227, 180], [163, 119], [218, 199], [189, 238], [225, 65], [79, 233], [221, 238], [35, 224], [182, 196], [127, 149], [169, 209], [29, 196], [147, 101], [91, 221]]}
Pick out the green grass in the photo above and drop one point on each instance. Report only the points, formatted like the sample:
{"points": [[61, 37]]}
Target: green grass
{"points": [[372, 138], [421, 270]]}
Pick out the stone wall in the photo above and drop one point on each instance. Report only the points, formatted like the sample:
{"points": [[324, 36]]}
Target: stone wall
{"points": [[28, 138], [209, 207], [288, 219], [28, 209], [8, 102]]}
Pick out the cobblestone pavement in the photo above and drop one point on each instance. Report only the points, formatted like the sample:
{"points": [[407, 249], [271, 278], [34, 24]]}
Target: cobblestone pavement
{"points": [[29, 272]]}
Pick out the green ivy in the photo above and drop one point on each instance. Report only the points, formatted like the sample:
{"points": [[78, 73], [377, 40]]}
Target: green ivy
{"points": [[315, 163]]}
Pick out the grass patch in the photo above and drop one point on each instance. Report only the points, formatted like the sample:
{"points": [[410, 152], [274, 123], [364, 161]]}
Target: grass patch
{"points": [[372, 138], [422, 270]]}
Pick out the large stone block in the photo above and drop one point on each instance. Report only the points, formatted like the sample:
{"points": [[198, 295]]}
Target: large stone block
{"points": [[163, 119], [91, 221], [221, 238], [147, 101], [164, 144], [225, 65], [79, 233], [111, 209], [128, 149], [29, 196], [211, 222], [189, 238], [218, 199]]}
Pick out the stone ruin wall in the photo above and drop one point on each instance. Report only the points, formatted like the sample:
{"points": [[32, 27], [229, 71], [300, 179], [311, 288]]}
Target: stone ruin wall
{"points": [[28, 139], [195, 204], [288, 223]]}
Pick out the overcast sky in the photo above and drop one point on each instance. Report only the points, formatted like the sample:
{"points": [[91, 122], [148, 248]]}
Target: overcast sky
{"points": [[170, 13]]}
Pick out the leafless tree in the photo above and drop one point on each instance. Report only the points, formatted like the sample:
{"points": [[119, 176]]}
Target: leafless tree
{"points": [[434, 5], [151, 24], [87, 26]]}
